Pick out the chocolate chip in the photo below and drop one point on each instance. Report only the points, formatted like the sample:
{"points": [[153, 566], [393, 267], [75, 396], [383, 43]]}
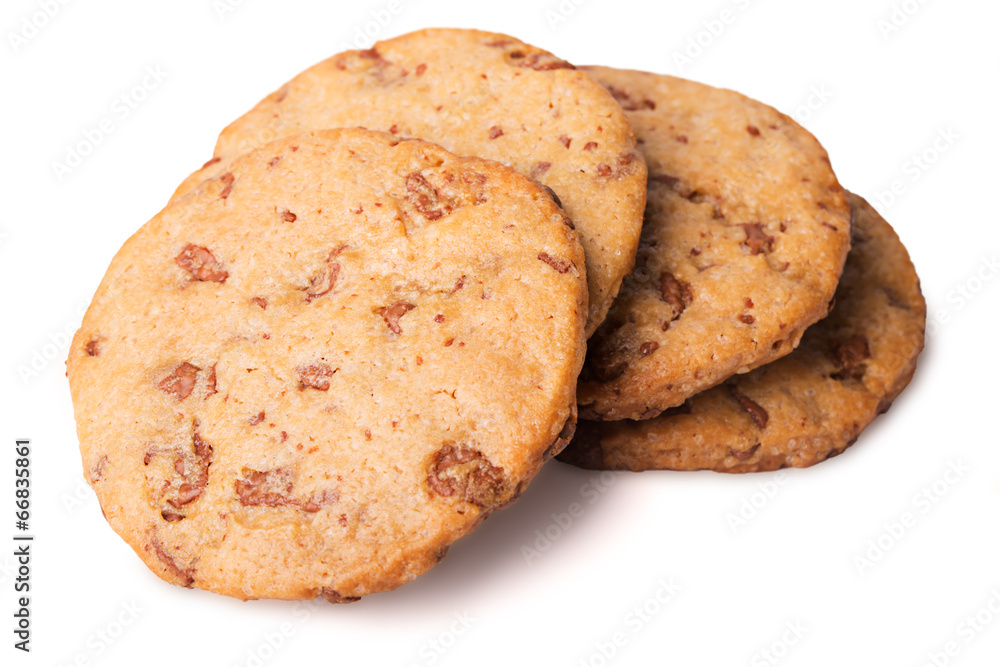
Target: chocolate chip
{"points": [[560, 265], [392, 314], [186, 493], [495, 132], [754, 132], [648, 348], [747, 318], [590, 145], [257, 418], [288, 216], [629, 104], [201, 264], [185, 576], [270, 488], [467, 474], [676, 293], [334, 597], [744, 456], [425, 197], [326, 278], [227, 182], [757, 240], [540, 61], [210, 383], [752, 408], [315, 376], [849, 355], [181, 381], [564, 140], [539, 169], [260, 301], [92, 349]]}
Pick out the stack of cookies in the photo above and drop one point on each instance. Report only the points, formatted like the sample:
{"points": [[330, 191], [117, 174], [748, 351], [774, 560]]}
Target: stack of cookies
{"points": [[377, 311]]}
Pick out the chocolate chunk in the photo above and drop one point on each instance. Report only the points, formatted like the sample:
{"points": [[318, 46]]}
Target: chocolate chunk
{"points": [[186, 494], [648, 348], [392, 314], [539, 168], [425, 197], [744, 456], [467, 474], [271, 488], [260, 301], [756, 412], [849, 355], [560, 265], [754, 132], [495, 132], [540, 61], [92, 349], [624, 166], [288, 216], [676, 293], [210, 383], [181, 382], [227, 182], [747, 318], [334, 597], [589, 146], [564, 140], [326, 278], [757, 240], [627, 103], [185, 576], [257, 418], [171, 516], [315, 376], [201, 264]]}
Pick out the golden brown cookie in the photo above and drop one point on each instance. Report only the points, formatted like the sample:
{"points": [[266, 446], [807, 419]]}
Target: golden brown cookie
{"points": [[745, 237], [801, 409], [317, 370], [483, 94]]}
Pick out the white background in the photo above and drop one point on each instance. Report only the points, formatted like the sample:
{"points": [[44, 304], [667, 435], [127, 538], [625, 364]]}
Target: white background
{"points": [[795, 561]]}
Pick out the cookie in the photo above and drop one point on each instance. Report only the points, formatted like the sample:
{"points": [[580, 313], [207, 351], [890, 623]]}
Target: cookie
{"points": [[801, 409], [745, 236], [317, 370], [483, 94]]}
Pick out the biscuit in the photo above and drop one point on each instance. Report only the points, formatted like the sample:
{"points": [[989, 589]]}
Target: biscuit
{"points": [[745, 236], [317, 370], [483, 94], [805, 407]]}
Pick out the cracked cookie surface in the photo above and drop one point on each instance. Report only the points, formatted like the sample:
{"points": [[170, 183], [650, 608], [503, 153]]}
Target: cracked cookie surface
{"points": [[483, 94], [311, 379], [805, 407], [745, 236]]}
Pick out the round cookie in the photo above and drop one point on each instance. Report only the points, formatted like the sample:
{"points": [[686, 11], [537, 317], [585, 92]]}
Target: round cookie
{"points": [[483, 94], [317, 370], [745, 236], [801, 409]]}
